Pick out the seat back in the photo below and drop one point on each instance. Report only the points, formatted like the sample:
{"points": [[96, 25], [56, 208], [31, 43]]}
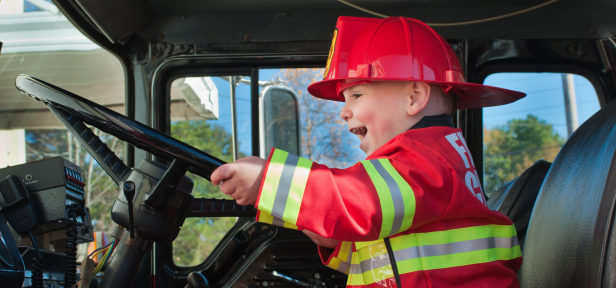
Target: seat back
{"points": [[570, 242], [517, 198]]}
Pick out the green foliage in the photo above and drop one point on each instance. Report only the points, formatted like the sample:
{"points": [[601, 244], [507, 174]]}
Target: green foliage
{"points": [[100, 190], [511, 148], [199, 236], [324, 135]]}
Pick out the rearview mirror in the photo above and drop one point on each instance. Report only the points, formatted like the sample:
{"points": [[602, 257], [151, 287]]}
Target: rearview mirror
{"points": [[279, 125]]}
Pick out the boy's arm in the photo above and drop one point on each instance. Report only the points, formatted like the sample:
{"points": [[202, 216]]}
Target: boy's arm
{"points": [[365, 202]]}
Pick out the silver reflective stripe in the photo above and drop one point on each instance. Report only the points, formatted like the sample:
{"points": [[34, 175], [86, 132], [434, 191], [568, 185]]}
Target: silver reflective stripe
{"points": [[355, 269], [455, 247], [277, 221], [350, 257], [343, 267], [440, 249], [375, 262], [396, 196], [284, 186]]}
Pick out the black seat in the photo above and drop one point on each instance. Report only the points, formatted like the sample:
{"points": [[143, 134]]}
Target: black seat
{"points": [[571, 241], [517, 198]]}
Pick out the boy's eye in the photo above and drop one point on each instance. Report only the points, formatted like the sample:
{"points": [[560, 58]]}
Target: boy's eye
{"points": [[357, 95]]}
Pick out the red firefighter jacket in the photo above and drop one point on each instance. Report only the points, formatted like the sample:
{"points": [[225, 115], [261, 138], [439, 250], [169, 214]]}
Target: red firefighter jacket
{"points": [[420, 189]]}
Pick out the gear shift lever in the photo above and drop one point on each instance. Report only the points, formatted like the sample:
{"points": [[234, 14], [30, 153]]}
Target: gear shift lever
{"points": [[129, 193]]}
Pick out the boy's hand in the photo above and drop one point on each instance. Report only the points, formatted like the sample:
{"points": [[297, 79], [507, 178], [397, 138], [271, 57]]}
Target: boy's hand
{"points": [[320, 240], [241, 179]]}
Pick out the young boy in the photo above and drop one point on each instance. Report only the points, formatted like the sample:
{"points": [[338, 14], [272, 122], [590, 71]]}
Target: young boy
{"points": [[412, 214]]}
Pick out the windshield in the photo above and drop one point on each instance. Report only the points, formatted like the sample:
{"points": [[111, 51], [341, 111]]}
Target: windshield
{"points": [[39, 41]]}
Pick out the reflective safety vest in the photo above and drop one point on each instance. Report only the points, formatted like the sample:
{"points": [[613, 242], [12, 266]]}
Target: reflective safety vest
{"points": [[420, 190]]}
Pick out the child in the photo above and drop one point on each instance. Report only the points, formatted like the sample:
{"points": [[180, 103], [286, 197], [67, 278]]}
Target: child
{"points": [[412, 214]]}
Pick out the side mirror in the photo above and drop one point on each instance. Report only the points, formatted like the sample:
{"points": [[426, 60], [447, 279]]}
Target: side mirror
{"points": [[279, 125]]}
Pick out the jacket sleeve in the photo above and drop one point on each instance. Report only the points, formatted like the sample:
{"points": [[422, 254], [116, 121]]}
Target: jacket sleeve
{"points": [[267, 218], [368, 201], [340, 258]]}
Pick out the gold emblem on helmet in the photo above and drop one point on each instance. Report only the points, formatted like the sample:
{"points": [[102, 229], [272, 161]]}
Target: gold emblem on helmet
{"points": [[331, 53]]}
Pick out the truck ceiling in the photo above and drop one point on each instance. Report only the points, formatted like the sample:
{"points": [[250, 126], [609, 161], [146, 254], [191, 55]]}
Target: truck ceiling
{"points": [[262, 21]]}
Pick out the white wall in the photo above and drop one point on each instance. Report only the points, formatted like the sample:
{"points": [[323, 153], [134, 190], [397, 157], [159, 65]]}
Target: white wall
{"points": [[11, 7], [12, 147]]}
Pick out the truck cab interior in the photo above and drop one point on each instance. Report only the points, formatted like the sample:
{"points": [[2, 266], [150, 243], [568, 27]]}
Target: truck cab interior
{"points": [[164, 83]]}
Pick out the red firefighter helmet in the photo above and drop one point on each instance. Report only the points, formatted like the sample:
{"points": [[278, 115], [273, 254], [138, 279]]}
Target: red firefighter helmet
{"points": [[399, 49]]}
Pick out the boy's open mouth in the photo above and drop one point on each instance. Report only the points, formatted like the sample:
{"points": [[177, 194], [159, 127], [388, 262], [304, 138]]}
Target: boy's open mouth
{"points": [[359, 131]]}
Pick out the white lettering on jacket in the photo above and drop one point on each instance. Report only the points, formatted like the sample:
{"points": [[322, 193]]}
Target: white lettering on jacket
{"points": [[471, 178]]}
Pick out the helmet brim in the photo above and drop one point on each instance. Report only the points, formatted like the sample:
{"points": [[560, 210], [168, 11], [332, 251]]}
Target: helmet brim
{"points": [[477, 95]]}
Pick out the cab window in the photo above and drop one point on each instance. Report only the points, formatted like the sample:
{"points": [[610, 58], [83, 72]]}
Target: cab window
{"points": [[323, 137], [533, 128], [202, 116]]}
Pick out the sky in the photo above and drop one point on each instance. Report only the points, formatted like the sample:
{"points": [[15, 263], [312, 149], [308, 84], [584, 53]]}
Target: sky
{"points": [[544, 99], [243, 107]]}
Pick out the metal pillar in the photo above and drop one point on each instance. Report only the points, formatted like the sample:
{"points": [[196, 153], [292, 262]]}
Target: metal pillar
{"points": [[570, 106]]}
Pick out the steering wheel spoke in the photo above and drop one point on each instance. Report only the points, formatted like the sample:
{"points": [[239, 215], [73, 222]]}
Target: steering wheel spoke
{"points": [[108, 160]]}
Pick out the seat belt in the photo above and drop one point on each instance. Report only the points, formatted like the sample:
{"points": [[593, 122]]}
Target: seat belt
{"points": [[392, 261]]}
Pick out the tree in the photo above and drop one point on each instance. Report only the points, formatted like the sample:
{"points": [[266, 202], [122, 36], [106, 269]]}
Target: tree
{"points": [[511, 148], [100, 190], [324, 135], [199, 236]]}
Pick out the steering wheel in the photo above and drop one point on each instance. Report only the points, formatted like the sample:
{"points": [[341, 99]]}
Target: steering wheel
{"points": [[73, 110], [162, 209]]}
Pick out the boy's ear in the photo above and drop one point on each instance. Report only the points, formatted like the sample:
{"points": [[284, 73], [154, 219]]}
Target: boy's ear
{"points": [[419, 96]]}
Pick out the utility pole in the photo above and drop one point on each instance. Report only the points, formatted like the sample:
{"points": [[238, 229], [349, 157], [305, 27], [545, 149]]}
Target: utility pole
{"points": [[234, 80], [570, 106]]}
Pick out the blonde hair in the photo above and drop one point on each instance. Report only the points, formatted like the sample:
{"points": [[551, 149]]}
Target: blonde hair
{"points": [[449, 101]]}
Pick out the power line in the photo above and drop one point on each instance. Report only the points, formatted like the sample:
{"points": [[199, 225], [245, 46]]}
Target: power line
{"points": [[535, 109], [522, 151]]}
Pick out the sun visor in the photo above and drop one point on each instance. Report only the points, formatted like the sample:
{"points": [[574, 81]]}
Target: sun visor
{"points": [[129, 16]]}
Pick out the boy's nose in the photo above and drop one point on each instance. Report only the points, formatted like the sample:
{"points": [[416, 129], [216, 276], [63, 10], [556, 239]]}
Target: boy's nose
{"points": [[346, 113]]}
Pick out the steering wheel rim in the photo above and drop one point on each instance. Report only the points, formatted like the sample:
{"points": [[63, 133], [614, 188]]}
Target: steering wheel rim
{"points": [[65, 105]]}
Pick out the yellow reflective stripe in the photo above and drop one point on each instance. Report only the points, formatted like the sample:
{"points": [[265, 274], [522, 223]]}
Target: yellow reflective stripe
{"points": [[359, 245], [395, 195], [342, 261], [458, 259], [334, 263], [284, 186], [267, 218], [378, 274], [441, 249], [387, 205], [290, 226], [373, 251], [383, 272], [453, 235], [346, 249], [355, 275], [271, 181]]}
